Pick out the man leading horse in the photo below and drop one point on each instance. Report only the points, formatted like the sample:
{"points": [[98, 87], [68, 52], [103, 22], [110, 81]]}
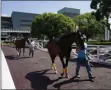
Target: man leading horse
{"points": [[62, 47]]}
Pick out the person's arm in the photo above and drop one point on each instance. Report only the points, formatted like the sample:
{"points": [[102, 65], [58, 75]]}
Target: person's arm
{"points": [[74, 52], [88, 56]]}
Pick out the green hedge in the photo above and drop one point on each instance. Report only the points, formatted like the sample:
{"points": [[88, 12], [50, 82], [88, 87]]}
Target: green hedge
{"points": [[99, 43]]}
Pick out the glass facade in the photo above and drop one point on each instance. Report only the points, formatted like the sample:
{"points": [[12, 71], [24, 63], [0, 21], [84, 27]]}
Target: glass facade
{"points": [[6, 22]]}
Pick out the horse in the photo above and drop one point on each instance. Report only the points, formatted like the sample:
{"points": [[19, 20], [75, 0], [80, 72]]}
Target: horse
{"points": [[62, 47], [20, 43]]}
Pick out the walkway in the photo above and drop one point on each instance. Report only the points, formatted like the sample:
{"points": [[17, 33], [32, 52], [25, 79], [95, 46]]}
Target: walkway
{"points": [[35, 73]]}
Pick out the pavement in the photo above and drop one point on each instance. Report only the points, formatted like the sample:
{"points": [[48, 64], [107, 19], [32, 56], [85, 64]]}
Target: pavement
{"points": [[35, 73]]}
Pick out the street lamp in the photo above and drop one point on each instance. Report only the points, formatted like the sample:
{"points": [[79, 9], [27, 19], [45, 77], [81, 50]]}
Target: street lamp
{"points": [[77, 28], [107, 32]]}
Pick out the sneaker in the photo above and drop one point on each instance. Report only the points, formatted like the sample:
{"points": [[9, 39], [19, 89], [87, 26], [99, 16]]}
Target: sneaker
{"points": [[77, 76], [92, 78]]}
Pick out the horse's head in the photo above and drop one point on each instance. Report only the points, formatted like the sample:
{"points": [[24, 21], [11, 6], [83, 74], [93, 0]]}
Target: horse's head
{"points": [[80, 40], [26, 39]]}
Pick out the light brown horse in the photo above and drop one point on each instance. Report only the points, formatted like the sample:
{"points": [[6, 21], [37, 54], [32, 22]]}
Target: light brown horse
{"points": [[19, 44]]}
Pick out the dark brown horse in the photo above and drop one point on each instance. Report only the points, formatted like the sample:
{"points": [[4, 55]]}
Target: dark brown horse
{"points": [[19, 44], [62, 47]]}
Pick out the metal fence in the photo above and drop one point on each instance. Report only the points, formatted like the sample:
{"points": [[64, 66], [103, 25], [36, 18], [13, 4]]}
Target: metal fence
{"points": [[99, 53], [14, 31]]}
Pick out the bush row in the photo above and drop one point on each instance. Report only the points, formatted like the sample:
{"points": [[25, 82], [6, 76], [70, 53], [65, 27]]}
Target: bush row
{"points": [[99, 43]]}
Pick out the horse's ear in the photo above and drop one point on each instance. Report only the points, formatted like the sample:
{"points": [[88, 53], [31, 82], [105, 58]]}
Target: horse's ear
{"points": [[79, 33]]}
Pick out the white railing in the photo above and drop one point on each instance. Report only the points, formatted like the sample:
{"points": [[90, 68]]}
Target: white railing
{"points": [[40, 43], [99, 48], [15, 31]]}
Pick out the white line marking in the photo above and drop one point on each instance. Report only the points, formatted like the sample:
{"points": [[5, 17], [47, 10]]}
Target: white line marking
{"points": [[7, 81]]}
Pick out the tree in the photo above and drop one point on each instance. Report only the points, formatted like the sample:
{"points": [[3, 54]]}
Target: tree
{"points": [[51, 25], [89, 25], [103, 10]]}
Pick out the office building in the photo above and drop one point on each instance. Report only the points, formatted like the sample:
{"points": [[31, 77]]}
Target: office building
{"points": [[70, 12], [18, 23], [22, 21], [6, 22]]}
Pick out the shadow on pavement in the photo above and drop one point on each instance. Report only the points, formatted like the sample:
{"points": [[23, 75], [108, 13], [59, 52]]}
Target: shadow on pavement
{"points": [[14, 57], [73, 79], [38, 80]]}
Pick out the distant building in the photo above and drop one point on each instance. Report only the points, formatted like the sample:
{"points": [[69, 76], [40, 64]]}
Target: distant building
{"points": [[22, 21], [71, 12], [18, 23], [6, 22]]}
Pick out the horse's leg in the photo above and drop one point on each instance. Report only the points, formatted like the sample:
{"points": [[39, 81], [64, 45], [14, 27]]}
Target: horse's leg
{"points": [[63, 65], [53, 64], [23, 52], [66, 69], [66, 64], [19, 51], [16, 48], [29, 52], [52, 55]]}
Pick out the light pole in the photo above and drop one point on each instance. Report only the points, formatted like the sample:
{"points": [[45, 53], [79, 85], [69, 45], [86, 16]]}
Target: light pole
{"points": [[77, 28], [107, 32]]}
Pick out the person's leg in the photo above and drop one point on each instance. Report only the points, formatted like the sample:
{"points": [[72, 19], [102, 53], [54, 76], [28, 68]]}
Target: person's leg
{"points": [[32, 53], [89, 70], [29, 52], [77, 69]]}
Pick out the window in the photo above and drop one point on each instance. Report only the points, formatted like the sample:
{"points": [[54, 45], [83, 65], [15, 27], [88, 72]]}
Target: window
{"points": [[25, 25], [25, 20]]}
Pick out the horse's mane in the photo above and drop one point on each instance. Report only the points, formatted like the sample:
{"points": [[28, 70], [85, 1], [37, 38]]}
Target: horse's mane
{"points": [[67, 35]]}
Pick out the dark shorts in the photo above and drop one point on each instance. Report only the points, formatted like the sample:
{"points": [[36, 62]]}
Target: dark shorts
{"points": [[82, 61]]}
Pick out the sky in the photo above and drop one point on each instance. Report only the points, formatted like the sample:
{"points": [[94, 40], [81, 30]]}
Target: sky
{"points": [[43, 6], [40, 7]]}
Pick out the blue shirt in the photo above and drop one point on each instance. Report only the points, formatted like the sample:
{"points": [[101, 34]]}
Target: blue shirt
{"points": [[82, 53]]}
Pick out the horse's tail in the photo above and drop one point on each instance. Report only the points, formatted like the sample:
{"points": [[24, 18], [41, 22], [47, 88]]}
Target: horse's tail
{"points": [[49, 42], [53, 48]]}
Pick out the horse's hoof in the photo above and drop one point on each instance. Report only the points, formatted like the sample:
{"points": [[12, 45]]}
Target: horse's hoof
{"points": [[62, 74], [56, 72], [67, 76], [17, 53], [52, 68]]}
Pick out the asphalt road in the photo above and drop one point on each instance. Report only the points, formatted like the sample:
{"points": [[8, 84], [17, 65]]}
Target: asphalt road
{"points": [[35, 73]]}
